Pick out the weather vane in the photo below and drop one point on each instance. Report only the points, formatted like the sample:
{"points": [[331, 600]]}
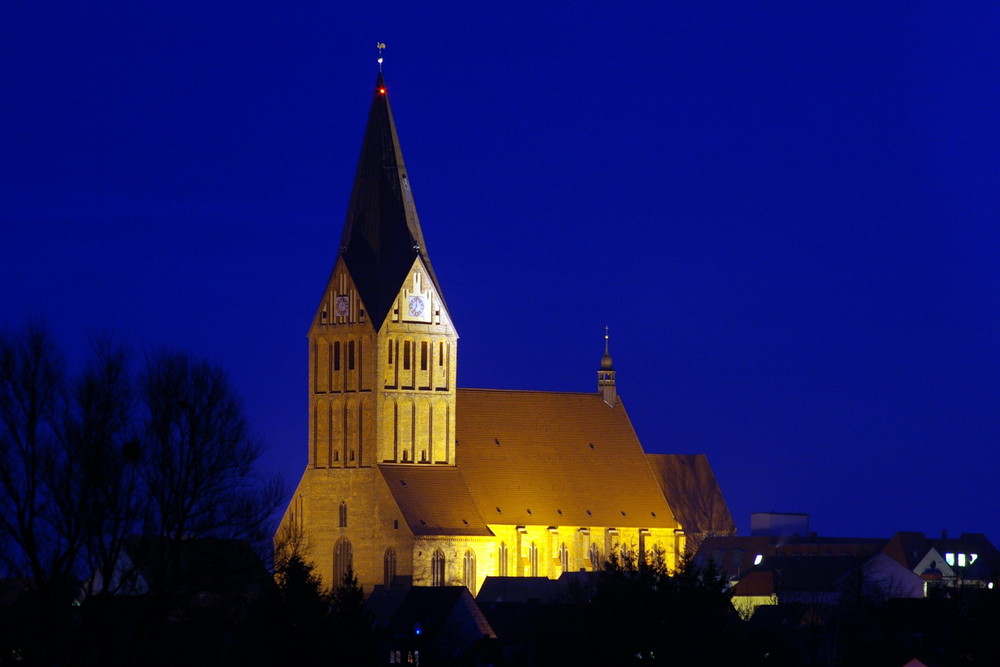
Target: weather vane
{"points": [[380, 46]]}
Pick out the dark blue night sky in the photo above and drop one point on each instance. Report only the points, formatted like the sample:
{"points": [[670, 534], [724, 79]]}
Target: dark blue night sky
{"points": [[788, 214]]}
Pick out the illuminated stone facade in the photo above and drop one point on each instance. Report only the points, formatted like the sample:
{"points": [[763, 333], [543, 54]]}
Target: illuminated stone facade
{"points": [[411, 480]]}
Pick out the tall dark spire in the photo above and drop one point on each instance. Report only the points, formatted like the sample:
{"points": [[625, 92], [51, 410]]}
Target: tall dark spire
{"points": [[382, 233]]}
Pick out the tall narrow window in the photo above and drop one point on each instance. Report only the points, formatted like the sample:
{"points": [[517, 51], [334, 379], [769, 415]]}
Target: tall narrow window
{"points": [[390, 352], [437, 568], [533, 559], [441, 353], [423, 355], [350, 355], [469, 571], [336, 356], [388, 567], [595, 557], [343, 514], [343, 559], [406, 355], [564, 557], [502, 560]]}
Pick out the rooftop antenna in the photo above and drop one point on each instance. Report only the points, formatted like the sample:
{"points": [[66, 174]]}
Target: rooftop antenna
{"points": [[380, 46]]}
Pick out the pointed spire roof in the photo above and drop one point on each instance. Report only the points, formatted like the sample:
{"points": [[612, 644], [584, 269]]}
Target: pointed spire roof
{"points": [[382, 233], [606, 359]]}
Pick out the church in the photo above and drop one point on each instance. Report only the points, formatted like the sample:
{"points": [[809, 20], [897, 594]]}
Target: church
{"points": [[412, 480]]}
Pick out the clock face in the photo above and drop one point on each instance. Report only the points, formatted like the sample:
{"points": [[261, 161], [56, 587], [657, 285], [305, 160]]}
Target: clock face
{"points": [[416, 306], [343, 305]]}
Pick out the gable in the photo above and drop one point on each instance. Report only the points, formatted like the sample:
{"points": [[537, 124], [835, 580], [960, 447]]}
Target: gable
{"points": [[693, 494]]}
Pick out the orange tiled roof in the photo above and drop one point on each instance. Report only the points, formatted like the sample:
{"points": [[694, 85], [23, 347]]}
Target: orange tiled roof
{"points": [[434, 500], [554, 458]]}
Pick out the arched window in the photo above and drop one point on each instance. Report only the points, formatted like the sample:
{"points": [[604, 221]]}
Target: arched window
{"points": [[437, 568], [343, 514], [469, 571], [343, 558], [388, 567], [533, 559], [502, 560], [595, 557], [564, 557]]}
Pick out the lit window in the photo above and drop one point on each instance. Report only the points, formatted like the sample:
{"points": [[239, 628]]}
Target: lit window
{"points": [[469, 571], [595, 556], [961, 560], [389, 567], [343, 557], [437, 568], [950, 558], [972, 558], [758, 558]]}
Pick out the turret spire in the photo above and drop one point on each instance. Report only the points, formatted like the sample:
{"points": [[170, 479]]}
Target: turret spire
{"points": [[382, 233], [606, 375]]}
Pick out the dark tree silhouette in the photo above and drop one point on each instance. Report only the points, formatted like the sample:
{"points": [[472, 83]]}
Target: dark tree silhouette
{"points": [[90, 463]]}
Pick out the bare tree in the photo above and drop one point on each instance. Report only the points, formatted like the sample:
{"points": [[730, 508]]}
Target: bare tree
{"points": [[114, 459], [32, 403]]}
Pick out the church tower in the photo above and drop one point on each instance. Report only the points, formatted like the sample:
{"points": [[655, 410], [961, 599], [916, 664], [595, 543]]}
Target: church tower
{"points": [[382, 348], [606, 376]]}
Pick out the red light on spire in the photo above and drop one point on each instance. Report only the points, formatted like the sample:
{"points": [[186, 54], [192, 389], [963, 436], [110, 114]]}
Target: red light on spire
{"points": [[381, 91]]}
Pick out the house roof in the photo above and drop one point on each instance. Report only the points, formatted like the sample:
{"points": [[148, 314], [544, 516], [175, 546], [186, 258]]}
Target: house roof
{"points": [[205, 564], [382, 235], [735, 554], [692, 492], [448, 612], [779, 574]]}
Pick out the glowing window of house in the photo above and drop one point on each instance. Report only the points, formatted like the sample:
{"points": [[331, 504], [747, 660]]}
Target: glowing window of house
{"points": [[533, 559], [423, 355], [469, 571], [406, 355], [502, 560], [437, 568], [961, 560], [950, 558], [388, 567], [972, 558], [350, 355], [336, 356], [757, 559], [564, 557], [343, 514], [343, 558]]}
